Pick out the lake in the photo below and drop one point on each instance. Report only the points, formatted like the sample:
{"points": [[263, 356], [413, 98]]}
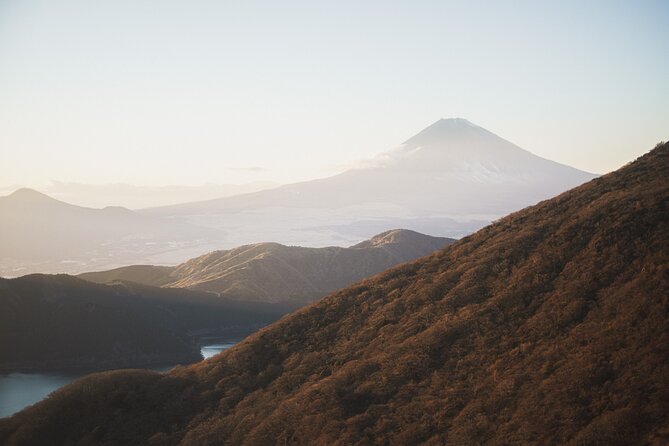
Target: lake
{"points": [[18, 390]]}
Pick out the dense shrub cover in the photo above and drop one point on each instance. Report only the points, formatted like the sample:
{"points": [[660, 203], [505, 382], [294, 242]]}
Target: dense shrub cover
{"points": [[62, 322], [550, 326]]}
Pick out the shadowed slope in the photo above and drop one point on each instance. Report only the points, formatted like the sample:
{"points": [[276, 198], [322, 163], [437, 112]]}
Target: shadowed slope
{"points": [[61, 322], [550, 326], [153, 275]]}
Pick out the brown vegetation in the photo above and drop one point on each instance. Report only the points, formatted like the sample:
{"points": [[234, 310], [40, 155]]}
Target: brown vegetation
{"points": [[550, 326]]}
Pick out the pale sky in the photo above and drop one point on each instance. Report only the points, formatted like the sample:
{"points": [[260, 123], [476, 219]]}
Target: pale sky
{"points": [[193, 92]]}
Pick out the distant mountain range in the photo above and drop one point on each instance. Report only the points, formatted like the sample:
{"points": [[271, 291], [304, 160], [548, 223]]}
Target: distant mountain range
{"points": [[271, 272], [449, 180], [41, 234], [550, 326], [62, 322], [136, 197]]}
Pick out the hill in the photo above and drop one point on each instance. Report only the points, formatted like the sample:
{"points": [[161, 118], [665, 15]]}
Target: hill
{"points": [[550, 326], [152, 275], [271, 272], [135, 196], [61, 322], [448, 180], [41, 234]]}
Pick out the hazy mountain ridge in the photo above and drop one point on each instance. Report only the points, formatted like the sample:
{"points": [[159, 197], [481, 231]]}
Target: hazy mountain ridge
{"points": [[136, 197], [33, 224], [41, 234], [451, 171], [448, 151], [547, 327], [450, 179], [272, 272]]}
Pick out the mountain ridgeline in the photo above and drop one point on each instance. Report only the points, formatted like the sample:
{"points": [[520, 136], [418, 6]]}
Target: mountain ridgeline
{"points": [[448, 180], [42, 234], [449, 168], [271, 272], [550, 326]]}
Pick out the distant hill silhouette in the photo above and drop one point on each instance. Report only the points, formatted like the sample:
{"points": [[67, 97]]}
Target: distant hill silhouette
{"points": [[550, 326], [41, 234], [134, 196], [448, 180], [271, 272], [61, 322]]}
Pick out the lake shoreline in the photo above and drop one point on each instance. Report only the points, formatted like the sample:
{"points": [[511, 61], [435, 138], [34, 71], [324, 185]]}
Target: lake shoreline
{"points": [[22, 387], [98, 367], [201, 340]]}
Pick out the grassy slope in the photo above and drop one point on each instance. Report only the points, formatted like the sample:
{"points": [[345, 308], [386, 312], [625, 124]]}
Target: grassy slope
{"points": [[271, 272]]}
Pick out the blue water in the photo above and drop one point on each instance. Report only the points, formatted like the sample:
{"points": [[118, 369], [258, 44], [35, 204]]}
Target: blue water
{"points": [[19, 390], [213, 349]]}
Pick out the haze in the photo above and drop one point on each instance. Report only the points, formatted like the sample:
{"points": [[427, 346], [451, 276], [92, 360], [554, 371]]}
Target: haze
{"points": [[188, 93]]}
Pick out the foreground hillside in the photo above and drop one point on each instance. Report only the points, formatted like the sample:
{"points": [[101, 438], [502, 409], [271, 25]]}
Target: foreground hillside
{"points": [[59, 322], [271, 272], [550, 326]]}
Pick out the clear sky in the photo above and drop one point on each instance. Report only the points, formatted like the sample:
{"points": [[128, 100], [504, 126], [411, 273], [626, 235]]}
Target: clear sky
{"points": [[188, 92]]}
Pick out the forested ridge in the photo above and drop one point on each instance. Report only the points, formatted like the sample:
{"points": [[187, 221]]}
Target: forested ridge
{"points": [[550, 326], [61, 322]]}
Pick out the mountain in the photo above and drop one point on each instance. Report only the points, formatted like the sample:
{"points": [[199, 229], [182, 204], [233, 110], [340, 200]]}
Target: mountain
{"points": [[134, 196], [39, 233], [550, 326], [271, 272], [61, 322], [450, 179]]}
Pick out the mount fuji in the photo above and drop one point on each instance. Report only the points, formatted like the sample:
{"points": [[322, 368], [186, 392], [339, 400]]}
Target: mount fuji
{"points": [[448, 180]]}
